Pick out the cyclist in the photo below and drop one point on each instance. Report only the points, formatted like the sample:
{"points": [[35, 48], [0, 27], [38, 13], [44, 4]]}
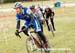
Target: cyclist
{"points": [[49, 14], [39, 15], [41, 9], [23, 13]]}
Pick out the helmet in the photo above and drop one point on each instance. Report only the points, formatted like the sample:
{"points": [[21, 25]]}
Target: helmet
{"points": [[32, 7], [17, 4]]}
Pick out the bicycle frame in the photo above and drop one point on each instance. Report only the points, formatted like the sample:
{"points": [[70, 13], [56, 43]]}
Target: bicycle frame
{"points": [[38, 43], [35, 41]]}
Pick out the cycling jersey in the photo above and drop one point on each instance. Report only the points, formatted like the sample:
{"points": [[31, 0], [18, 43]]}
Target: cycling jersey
{"points": [[38, 13], [25, 16]]}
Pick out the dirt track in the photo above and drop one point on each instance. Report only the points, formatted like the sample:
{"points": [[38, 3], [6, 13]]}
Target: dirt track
{"points": [[7, 14]]}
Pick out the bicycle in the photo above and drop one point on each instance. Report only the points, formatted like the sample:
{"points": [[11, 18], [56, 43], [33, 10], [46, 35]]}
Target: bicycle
{"points": [[32, 44]]}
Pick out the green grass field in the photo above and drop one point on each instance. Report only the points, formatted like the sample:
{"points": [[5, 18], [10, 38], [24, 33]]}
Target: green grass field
{"points": [[64, 34]]}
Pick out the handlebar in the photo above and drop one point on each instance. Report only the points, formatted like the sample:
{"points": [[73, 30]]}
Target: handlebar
{"points": [[24, 30]]}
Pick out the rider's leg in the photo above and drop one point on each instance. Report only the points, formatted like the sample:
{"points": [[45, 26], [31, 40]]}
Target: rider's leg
{"points": [[41, 27], [47, 25], [52, 22], [45, 42], [25, 31], [41, 24], [37, 28], [47, 17], [43, 38], [25, 26]]}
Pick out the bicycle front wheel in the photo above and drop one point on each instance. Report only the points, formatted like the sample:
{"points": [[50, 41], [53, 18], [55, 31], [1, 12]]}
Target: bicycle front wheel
{"points": [[30, 47]]}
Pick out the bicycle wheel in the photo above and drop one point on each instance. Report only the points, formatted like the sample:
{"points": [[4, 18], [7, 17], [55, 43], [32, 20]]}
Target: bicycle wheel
{"points": [[30, 47], [51, 29]]}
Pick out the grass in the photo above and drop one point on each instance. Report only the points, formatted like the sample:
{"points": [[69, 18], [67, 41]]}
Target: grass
{"points": [[64, 34]]}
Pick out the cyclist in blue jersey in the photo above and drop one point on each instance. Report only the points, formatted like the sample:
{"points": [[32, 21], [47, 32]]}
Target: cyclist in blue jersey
{"points": [[24, 13]]}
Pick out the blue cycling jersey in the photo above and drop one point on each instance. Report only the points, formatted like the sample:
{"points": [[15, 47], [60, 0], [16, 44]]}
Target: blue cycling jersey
{"points": [[25, 16]]}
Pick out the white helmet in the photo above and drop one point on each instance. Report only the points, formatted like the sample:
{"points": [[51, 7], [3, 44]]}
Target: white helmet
{"points": [[17, 4]]}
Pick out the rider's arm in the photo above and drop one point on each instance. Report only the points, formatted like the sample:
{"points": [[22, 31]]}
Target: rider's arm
{"points": [[53, 13], [18, 25], [18, 22]]}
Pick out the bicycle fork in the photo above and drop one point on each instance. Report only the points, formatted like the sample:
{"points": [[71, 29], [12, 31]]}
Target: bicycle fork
{"points": [[33, 43]]}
